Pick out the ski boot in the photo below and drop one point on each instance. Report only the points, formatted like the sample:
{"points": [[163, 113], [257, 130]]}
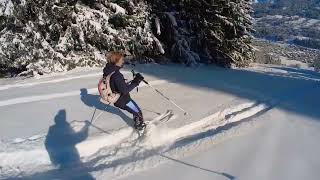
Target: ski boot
{"points": [[139, 124]]}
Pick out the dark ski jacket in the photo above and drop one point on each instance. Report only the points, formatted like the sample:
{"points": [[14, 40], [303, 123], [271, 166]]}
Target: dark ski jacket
{"points": [[118, 84]]}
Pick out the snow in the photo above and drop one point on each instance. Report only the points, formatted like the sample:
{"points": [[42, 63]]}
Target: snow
{"points": [[117, 8], [172, 18], [157, 22], [156, 137], [159, 45], [276, 16], [89, 28], [28, 99], [312, 22], [99, 56], [260, 153], [264, 116], [224, 19], [6, 7], [56, 80], [295, 22], [293, 63], [111, 30]]}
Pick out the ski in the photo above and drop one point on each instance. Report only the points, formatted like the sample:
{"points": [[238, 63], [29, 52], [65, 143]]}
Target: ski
{"points": [[161, 118], [165, 117]]}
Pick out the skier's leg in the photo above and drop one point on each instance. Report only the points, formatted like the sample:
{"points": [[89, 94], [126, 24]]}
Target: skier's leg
{"points": [[131, 109], [134, 109], [137, 108], [138, 119]]}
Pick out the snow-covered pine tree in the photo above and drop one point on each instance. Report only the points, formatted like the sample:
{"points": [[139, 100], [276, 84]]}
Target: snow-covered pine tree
{"points": [[216, 31], [172, 27], [42, 36]]}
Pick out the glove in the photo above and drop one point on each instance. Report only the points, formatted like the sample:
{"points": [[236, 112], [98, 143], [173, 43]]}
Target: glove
{"points": [[138, 78]]}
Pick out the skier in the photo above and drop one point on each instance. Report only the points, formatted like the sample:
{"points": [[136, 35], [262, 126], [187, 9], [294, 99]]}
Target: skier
{"points": [[119, 85]]}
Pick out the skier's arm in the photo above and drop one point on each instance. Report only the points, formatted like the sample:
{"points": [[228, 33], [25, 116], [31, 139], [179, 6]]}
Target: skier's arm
{"points": [[122, 86]]}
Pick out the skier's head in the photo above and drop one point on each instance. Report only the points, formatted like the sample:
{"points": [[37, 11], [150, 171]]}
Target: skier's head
{"points": [[115, 58], [60, 118]]}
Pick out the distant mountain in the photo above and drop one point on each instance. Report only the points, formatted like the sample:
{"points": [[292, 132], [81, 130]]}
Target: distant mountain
{"points": [[291, 21], [303, 8]]}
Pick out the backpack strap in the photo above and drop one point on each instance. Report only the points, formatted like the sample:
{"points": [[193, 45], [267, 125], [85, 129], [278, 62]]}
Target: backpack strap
{"points": [[107, 79]]}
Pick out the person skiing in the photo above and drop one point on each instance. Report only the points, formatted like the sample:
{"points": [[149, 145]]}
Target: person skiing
{"points": [[119, 85]]}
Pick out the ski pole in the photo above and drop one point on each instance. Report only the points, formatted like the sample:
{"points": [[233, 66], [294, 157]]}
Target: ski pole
{"points": [[94, 112], [159, 92], [92, 120], [185, 112]]}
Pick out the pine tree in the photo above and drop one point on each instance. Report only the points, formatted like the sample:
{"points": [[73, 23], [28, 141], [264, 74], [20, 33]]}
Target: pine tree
{"points": [[41, 36], [47, 36], [217, 31]]}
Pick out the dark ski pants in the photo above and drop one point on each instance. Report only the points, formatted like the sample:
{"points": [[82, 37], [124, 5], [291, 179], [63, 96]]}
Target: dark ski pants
{"points": [[134, 109]]}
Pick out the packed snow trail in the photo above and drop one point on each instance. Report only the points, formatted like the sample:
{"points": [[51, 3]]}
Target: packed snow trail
{"points": [[29, 99], [277, 145], [220, 109]]}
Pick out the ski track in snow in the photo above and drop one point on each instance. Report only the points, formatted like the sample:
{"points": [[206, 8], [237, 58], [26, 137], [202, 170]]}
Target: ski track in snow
{"points": [[29, 99], [23, 85], [123, 152]]}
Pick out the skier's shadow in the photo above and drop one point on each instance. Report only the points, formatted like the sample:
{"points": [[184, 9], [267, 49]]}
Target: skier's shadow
{"points": [[60, 144], [93, 100]]}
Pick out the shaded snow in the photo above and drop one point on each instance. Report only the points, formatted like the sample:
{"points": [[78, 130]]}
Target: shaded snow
{"points": [[127, 143]]}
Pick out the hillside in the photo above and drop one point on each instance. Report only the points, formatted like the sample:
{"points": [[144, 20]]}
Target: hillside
{"points": [[288, 21]]}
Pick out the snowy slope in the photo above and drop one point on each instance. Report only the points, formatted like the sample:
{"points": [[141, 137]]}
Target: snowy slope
{"points": [[282, 146], [254, 123]]}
